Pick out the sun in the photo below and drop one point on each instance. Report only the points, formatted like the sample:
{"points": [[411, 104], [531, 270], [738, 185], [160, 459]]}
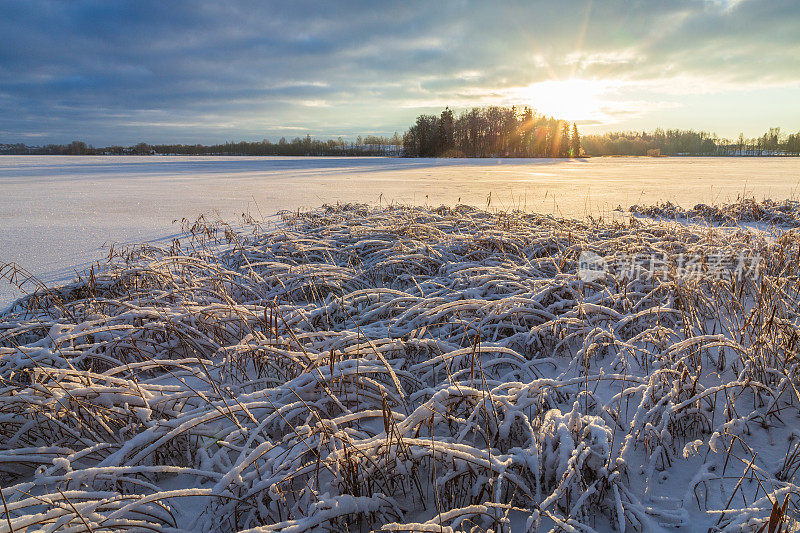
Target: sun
{"points": [[573, 99]]}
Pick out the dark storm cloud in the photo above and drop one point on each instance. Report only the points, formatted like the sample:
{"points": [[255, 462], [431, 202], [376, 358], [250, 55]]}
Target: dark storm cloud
{"points": [[202, 71]]}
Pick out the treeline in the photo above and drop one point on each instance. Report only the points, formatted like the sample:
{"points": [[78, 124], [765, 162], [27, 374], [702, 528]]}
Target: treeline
{"points": [[478, 132], [690, 142], [299, 146], [491, 132]]}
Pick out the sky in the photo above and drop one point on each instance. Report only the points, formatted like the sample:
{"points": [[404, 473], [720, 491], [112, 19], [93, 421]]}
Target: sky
{"points": [[210, 71]]}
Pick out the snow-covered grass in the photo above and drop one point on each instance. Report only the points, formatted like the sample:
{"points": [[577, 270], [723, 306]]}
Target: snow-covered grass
{"points": [[746, 210], [406, 369]]}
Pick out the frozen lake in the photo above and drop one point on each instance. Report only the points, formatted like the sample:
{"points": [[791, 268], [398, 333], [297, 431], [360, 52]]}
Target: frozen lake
{"points": [[58, 213]]}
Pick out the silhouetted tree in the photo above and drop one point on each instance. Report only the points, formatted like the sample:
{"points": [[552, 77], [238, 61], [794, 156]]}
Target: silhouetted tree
{"points": [[445, 133], [563, 143], [141, 149], [77, 148], [575, 141]]}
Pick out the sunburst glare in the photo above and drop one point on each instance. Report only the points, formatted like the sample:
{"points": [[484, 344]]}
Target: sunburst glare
{"points": [[573, 99]]}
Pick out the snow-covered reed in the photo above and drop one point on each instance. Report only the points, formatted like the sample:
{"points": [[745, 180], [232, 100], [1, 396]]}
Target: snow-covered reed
{"points": [[785, 213], [405, 369]]}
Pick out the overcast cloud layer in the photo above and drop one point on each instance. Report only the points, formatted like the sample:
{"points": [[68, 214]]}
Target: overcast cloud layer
{"points": [[120, 72]]}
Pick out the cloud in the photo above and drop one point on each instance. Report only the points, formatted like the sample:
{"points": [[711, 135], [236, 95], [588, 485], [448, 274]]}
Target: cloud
{"points": [[119, 72]]}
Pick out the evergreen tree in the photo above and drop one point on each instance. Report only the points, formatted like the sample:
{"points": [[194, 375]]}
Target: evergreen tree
{"points": [[563, 142], [446, 131], [575, 141]]}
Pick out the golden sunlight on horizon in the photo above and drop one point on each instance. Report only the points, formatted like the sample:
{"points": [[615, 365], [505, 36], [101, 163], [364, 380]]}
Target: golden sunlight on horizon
{"points": [[574, 100]]}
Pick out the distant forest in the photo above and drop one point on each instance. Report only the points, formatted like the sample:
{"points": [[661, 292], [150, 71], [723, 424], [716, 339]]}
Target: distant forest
{"points": [[689, 142], [478, 132], [300, 146], [513, 132]]}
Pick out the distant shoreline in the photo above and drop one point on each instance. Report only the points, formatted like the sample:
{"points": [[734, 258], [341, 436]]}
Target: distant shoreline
{"points": [[353, 156]]}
